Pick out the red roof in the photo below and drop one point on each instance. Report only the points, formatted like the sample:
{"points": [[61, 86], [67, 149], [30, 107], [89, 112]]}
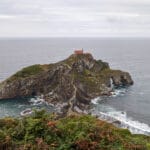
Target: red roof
{"points": [[78, 51]]}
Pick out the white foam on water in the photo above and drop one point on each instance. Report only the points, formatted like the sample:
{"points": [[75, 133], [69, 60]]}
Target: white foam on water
{"points": [[36, 101], [118, 92], [96, 100], [119, 118], [115, 93]]}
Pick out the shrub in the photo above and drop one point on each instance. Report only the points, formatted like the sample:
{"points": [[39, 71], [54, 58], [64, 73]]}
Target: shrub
{"points": [[83, 132]]}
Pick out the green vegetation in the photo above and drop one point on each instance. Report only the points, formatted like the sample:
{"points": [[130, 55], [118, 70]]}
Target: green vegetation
{"points": [[28, 71], [42, 131], [109, 72], [103, 64]]}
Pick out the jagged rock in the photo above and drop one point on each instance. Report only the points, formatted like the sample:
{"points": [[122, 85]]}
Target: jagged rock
{"points": [[75, 80]]}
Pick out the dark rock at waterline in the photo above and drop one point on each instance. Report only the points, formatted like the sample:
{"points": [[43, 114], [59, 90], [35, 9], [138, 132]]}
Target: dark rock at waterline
{"points": [[117, 122], [73, 81]]}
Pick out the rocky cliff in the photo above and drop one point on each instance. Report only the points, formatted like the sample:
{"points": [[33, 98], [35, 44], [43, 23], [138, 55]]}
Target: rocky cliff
{"points": [[73, 81]]}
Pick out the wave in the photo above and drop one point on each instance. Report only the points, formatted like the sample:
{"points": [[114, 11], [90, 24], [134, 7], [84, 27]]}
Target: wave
{"points": [[36, 101], [115, 93], [118, 92], [118, 118], [96, 100]]}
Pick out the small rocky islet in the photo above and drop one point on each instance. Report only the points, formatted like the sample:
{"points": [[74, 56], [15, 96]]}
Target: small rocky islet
{"points": [[71, 83]]}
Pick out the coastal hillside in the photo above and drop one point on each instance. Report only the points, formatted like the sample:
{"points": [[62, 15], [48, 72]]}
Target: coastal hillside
{"points": [[43, 131], [72, 82]]}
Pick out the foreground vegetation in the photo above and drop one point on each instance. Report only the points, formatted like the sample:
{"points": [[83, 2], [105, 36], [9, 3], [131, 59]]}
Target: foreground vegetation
{"points": [[43, 131]]}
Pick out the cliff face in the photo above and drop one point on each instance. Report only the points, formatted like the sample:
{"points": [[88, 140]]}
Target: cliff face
{"points": [[74, 81]]}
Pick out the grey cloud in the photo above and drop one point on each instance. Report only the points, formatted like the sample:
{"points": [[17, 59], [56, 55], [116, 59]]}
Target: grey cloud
{"points": [[74, 17]]}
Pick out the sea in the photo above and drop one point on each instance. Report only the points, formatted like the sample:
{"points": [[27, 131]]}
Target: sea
{"points": [[129, 107]]}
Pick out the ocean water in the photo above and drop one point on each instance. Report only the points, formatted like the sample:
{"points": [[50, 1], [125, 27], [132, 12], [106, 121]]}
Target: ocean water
{"points": [[131, 106]]}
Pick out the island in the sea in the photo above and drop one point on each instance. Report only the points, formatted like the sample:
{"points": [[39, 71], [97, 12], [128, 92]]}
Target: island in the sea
{"points": [[73, 82]]}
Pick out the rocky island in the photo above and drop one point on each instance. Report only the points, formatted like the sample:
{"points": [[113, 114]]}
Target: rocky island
{"points": [[72, 82]]}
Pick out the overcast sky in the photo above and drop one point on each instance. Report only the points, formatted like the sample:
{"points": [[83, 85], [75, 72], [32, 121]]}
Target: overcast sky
{"points": [[48, 18]]}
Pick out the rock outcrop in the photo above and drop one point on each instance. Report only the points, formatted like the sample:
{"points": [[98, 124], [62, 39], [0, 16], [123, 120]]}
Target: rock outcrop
{"points": [[72, 82]]}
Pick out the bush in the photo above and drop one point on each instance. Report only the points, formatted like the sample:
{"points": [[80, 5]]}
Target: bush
{"points": [[83, 132]]}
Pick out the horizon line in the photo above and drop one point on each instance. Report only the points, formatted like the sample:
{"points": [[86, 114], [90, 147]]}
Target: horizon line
{"points": [[21, 37]]}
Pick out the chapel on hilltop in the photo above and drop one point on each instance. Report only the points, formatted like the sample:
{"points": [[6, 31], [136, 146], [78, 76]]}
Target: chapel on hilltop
{"points": [[78, 52]]}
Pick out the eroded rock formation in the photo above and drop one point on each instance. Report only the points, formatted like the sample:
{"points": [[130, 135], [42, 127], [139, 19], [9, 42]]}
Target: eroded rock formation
{"points": [[73, 81]]}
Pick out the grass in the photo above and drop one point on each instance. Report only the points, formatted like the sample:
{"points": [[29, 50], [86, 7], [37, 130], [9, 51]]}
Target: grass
{"points": [[82, 132], [28, 71]]}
